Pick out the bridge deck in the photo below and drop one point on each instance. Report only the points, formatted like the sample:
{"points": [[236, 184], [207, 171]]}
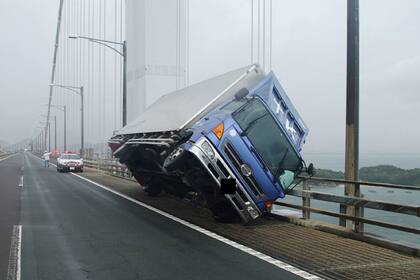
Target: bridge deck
{"points": [[318, 252]]}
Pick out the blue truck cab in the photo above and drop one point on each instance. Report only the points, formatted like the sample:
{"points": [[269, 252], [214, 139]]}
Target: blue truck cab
{"points": [[234, 140], [254, 139]]}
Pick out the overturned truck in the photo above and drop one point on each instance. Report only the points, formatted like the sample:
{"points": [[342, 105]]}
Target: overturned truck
{"points": [[232, 142]]}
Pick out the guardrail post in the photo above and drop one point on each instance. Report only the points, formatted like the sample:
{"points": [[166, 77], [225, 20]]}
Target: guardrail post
{"points": [[359, 211], [306, 201]]}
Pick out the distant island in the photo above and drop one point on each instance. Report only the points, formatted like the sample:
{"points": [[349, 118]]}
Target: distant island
{"points": [[381, 173]]}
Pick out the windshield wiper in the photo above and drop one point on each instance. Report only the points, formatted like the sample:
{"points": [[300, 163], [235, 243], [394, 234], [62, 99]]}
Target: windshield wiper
{"points": [[252, 123], [279, 167]]}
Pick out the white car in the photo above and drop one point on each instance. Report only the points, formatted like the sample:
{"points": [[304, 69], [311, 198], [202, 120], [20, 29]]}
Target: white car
{"points": [[69, 162]]}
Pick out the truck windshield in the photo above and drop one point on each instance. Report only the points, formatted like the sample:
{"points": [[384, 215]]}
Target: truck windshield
{"points": [[267, 137]]}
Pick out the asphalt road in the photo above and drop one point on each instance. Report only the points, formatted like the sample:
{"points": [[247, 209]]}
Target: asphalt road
{"points": [[10, 174], [72, 229]]}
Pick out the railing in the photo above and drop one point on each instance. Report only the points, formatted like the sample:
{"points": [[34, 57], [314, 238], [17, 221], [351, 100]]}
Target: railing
{"points": [[114, 168], [3, 155], [357, 202], [111, 166]]}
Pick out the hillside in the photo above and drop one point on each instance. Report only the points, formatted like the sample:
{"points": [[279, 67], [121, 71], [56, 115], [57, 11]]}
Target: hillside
{"points": [[380, 173]]}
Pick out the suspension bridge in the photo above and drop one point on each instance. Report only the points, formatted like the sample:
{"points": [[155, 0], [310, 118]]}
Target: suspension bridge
{"points": [[112, 59]]}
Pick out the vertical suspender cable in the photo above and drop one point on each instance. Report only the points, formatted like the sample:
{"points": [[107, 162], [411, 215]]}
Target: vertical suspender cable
{"points": [[57, 34], [177, 40], [187, 44], [62, 73], [99, 70], [271, 35], [70, 77], [74, 74], [252, 31], [122, 14], [85, 66], [264, 22], [89, 85], [92, 67], [114, 73], [258, 34], [81, 68], [65, 63], [104, 77]]}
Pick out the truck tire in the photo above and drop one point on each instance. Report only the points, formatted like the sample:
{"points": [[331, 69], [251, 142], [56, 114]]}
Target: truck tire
{"points": [[224, 212], [153, 187], [174, 160], [152, 190]]}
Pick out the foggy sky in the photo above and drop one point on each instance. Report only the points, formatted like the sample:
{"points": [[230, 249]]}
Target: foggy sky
{"points": [[27, 31], [309, 41]]}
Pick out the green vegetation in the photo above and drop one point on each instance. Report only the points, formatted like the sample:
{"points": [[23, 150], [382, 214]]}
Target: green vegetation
{"points": [[380, 173], [330, 174]]}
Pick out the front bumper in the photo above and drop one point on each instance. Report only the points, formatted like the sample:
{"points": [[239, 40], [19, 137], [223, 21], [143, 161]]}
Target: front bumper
{"points": [[71, 168], [218, 169]]}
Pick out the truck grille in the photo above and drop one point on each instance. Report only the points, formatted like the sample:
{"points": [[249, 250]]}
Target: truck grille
{"points": [[237, 162]]}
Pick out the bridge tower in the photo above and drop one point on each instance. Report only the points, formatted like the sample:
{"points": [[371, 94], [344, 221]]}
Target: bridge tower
{"points": [[172, 44]]}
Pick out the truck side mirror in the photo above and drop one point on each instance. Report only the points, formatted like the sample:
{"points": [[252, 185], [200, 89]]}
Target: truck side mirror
{"points": [[241, 93], [310, 170]]}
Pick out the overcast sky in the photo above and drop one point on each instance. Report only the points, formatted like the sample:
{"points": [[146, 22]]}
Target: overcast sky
{"points": [[27, 31], [308, 57]]}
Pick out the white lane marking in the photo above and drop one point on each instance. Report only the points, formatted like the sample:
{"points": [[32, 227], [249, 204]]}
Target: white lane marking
{"points": [[21, 181], [13, 271], [8, 157], [266, 258]]}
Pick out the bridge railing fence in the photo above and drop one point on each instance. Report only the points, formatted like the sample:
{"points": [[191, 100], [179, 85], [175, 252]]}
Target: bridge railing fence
{"points": [[4, 154], [110, 166], [304, 191], [307, 195]]}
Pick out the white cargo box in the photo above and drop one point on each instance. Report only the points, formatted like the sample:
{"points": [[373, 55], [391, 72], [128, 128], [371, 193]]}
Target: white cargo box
{"points": [[181, 109]]}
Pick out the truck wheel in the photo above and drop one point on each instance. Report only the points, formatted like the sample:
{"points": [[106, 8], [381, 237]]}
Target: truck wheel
{"points": [[224, 212], [152, 190], [174, 160], [153, 187]]}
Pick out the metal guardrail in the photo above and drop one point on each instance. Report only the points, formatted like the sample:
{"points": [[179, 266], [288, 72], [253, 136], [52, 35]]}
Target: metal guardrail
{"points": [[3, 155], [357, 202], [113, 167]]}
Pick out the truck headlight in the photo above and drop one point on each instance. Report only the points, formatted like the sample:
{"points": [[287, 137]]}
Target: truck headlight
{"points": [[254, 213], [208, 150]]}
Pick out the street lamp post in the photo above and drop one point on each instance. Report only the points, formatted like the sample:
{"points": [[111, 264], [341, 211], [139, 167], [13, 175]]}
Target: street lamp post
{"points": [[123, 54], [49, 132], [49, 136], [79, 91], [55, 133], [42, 145], [62, 108]]}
